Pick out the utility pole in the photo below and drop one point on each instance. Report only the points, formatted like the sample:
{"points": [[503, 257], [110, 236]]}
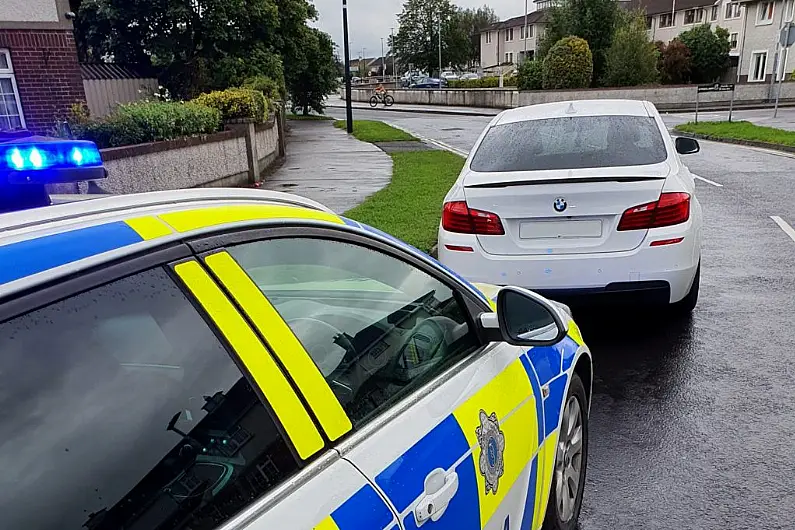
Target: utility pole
{"points": [[348, 106], [525, 31], [383, 60], [440, 51], [392, 51]]}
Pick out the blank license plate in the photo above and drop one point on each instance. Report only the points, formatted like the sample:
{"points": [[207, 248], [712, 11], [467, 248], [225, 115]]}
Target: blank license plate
{"points": [[560, 229]]}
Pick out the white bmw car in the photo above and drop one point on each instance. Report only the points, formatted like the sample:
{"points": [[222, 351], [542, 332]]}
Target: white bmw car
{"points": [[578, 198]]}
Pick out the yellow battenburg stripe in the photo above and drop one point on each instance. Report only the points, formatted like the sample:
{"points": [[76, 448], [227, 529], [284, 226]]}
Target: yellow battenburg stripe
{"points": [[187, 220], [283, 343], [274, 385], [503, 394], [546, 466], [490, 292], [327, 524], [574, 332], [149, 227]]}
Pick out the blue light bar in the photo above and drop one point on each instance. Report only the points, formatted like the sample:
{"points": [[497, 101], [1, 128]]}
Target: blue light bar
{"points": [[50, 155]]}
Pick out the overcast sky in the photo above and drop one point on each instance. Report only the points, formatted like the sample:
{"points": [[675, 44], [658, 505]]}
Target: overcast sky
{"points": [[370, 20]]}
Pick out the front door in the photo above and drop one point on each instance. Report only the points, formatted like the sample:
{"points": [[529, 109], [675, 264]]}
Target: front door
{"points": [[446, 428]]}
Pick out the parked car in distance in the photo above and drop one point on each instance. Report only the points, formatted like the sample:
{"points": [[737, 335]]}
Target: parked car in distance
{"points": [[469, 76], [578, 199], [428, 82], [449, 75]]}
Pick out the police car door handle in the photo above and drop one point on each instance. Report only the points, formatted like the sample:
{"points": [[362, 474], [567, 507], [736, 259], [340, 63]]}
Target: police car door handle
{"points": [[440, 487]]}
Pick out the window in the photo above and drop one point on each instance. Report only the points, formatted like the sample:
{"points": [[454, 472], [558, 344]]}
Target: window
{"points": [[488, 37], [509, 58], [733, 10], [694, 16], [526, 32], [11, 117], [713, 14], [789, 11], [570, 143], [764, 13], [758, 66], [121, 409], [530, 31], [508, 34], [666, 20], [376, 327], [733, 40], [648, 22]]}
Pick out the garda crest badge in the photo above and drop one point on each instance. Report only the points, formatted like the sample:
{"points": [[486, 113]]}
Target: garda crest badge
{"points": [[492, 445]]}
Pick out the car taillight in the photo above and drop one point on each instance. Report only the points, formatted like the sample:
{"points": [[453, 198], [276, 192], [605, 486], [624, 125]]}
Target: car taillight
{"points": [[669, 209], [458, 217]]}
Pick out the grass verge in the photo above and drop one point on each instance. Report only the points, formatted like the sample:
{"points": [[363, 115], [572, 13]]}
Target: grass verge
{"points": [[410, 207], [376, 131], [740, 130], [309, 117]]}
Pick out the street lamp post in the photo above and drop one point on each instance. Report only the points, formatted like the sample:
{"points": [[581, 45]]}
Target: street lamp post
{"points": [[383, 60], [525, 30], [348, 106], [392, 51], [440, 51]]}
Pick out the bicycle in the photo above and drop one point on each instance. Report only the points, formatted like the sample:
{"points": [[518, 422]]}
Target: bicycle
{"points": [[386, 99]]}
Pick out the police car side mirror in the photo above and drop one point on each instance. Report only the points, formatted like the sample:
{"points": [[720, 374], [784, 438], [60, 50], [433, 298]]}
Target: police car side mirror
{"points": [[525, 318]]}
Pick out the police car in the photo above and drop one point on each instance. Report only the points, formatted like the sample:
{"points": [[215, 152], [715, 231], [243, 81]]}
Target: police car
{"points": [[241, 359]]}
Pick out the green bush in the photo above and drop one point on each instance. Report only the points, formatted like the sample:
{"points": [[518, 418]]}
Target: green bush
{"points": [[483, 82], [146, 121], [631, 59], [530, 75], [272, 89], [709, 52], [236, 103], [569, 64]]}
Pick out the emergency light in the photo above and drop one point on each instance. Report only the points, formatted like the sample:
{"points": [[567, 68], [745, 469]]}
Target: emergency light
{"points": [[41, 160]]}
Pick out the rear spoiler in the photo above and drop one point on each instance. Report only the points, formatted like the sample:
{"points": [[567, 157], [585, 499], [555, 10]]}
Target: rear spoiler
{"points": [[571, 180]]}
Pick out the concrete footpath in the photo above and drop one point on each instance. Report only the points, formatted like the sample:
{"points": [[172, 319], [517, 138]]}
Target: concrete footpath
{"points": [[324, 164]]}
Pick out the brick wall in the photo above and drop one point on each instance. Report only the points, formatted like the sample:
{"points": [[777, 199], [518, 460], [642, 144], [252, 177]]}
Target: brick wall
{"points": [[47, 74]]}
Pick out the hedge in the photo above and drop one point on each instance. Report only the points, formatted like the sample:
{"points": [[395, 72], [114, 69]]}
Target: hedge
{"points": [[146, 121], [236, 103], [569, 64], [530, 75], [483, 82]]}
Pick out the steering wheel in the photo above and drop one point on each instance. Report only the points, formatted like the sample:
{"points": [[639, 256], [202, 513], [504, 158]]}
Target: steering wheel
{"points": [[318, 337]]}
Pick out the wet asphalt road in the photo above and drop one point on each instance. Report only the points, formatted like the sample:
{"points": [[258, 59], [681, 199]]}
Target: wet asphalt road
{"points": [[692, 423]]}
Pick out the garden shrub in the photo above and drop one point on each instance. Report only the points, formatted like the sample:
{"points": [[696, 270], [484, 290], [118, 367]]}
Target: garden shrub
{"points": [[569, 64], [236, 104], [530, 75], [146, 121]]}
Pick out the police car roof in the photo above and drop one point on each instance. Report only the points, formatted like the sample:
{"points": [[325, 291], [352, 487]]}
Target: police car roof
{"points": [[41, 244]]}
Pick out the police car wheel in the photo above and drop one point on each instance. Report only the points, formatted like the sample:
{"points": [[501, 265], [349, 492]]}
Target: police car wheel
{"points": [[568, 479]]}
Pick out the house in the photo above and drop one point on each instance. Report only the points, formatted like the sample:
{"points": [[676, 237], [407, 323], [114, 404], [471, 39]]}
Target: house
{"points": [[509, 41], [370, 65], [39, 73], [759, 50]]}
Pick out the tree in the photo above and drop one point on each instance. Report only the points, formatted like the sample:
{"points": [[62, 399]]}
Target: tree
{"points": [[417, 39], [315, 75], [592, 20], [471, 23], [709, 52], [631, 59], [569, 64], [531, 75], [194, 46], [674, 62]]}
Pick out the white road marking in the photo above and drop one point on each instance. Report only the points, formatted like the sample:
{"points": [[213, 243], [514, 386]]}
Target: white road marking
{"points": [[437, 143], [784, 226], [708, 181]]}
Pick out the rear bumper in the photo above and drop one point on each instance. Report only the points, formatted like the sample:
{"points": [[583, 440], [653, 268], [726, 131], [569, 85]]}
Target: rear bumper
{"points": [[645, 275]]}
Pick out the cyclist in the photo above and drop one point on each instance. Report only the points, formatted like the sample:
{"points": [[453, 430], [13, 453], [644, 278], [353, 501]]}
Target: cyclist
{"points": [[380, 91]]}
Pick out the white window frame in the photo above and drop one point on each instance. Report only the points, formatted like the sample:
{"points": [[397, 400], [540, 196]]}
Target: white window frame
{"points": [[8, 73], [736, 36], [761, 9], [488, 37], [673, 20], [696, 20], [714, 13], [529, 31], [789, 10], [754, 54], [733, 10], [508, 33], [509, 57]]}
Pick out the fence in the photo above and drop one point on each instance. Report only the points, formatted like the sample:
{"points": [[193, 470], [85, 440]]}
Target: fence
{"points": [[107, 85]]}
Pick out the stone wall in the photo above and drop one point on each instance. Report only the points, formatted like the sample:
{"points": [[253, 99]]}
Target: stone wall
{"points": [[220, 159], [664, 97]]}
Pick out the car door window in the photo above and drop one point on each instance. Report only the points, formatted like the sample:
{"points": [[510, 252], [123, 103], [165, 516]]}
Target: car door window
{"points": [[119, 408], [377, 327]]}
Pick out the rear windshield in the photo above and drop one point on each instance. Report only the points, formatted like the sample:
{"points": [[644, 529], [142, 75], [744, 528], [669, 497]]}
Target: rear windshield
{"points": [[570, 143]]}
